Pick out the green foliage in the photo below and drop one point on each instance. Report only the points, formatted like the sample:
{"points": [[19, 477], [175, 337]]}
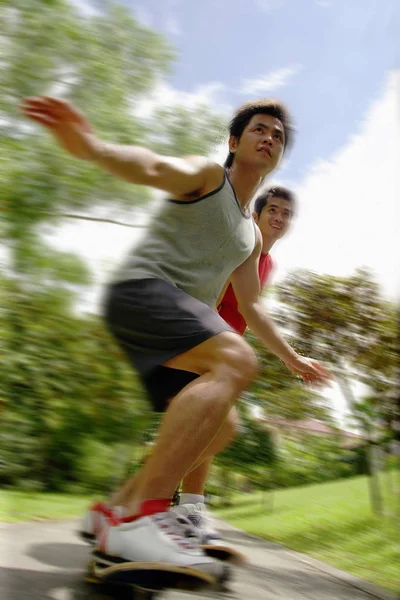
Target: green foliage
{"points": [[107, 65], [20, 452], [311, 459], [346, 322], [252, 451], [100, 468], [64, 381], [66, 390], [186, 130], [280, 393]]}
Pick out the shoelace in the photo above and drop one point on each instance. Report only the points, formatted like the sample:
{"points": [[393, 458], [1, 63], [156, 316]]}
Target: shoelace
{"points": [[178, 528]]}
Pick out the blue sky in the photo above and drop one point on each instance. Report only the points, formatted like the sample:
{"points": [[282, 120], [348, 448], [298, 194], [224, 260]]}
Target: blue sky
{"points": [[327, 59]]}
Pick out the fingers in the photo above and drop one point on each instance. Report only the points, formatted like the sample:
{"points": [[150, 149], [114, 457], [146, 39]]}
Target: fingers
{"points": [[43, 102], [319, 373], [43, 119], [318, 377], [324, 372], [56, 102], [60, 107], [35, 103], [44, 109], [38, 110]]}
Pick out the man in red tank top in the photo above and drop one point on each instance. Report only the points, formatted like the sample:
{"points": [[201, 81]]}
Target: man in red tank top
{"points": [[273, 211]]}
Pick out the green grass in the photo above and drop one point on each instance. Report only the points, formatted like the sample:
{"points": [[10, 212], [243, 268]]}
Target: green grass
{"points": [[27, 506], [331, 522]]}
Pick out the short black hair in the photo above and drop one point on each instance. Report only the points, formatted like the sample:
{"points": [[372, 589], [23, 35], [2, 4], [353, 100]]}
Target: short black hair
{"points": [[274, 192], [267, 106]]}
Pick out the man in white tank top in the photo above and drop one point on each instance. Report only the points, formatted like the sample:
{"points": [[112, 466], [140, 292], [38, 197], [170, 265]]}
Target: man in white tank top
{"points": [[175, 338]]}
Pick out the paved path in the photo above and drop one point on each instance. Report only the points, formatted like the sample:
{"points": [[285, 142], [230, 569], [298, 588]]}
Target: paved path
{"points": [[46, 561]]}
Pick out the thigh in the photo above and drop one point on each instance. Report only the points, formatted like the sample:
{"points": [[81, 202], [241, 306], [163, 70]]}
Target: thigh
{"points": [[154, 321], [202, 358]]}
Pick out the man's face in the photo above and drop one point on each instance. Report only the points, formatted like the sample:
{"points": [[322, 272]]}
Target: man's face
{"points": [[262, 142], [275, 218]]}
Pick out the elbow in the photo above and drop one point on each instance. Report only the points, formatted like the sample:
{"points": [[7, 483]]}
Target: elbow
{"points": [[248, 311]]}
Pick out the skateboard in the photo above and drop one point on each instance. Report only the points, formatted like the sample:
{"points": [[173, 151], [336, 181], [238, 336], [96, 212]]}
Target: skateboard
{"points": [[145, 580], [217, 551], [224, 553]]}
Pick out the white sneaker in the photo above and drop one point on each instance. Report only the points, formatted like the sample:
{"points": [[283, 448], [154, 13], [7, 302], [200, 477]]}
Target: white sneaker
{"points": [[95, 518], [159, 538], [200, 518]]}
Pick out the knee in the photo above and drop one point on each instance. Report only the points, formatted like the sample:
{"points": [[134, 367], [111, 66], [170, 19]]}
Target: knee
{"points": [[238, 359]]}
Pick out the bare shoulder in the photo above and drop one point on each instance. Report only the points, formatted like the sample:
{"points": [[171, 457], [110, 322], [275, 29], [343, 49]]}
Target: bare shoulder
{"points": [[211, 176]]}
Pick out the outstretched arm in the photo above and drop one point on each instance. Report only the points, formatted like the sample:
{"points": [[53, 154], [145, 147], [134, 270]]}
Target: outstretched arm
{"points": [[246, 285], [181, 177]]}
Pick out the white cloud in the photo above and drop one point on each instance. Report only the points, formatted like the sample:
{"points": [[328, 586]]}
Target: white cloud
{"points": [[165, 95], [349, 209], [271, 81]]}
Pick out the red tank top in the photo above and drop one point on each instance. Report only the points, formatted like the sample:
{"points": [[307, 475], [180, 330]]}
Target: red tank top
{"points": [[228, 309]]}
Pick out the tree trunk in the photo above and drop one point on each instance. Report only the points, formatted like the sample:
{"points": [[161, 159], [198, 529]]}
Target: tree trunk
{"points": [[373, 480]]}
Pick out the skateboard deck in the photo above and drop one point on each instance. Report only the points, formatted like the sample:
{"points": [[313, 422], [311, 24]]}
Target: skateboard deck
{"points": [[224, 553], [144, 580]]}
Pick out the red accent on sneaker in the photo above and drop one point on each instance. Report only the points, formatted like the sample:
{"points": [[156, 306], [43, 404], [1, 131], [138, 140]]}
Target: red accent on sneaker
{"points": [[103, 508], [149, 507]]}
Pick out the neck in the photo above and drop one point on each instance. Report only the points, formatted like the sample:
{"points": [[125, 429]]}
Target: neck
{"points": [[267, 245], [246, 181]]}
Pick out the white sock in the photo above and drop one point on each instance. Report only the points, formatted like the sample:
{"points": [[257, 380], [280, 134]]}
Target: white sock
{"points": [[191, 499]]}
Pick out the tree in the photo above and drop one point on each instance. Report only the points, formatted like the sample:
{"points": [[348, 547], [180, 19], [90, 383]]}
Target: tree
{"points": [[108, 65], [64, 380], [345, 322], [279, 393], [252, 452]]}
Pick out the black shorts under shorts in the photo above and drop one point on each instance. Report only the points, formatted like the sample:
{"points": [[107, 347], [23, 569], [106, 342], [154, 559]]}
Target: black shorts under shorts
{"points": [[153, 321]]}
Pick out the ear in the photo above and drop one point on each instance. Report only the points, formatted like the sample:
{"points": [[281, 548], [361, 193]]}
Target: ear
{"points": [[255, 216], [233, 144]]}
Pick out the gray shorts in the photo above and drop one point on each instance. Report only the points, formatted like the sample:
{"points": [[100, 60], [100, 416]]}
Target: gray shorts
{"points": [[153, 321]]}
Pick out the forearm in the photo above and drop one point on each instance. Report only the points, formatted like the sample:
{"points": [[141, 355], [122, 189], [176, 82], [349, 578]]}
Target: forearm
{"points": [[265, 329], [132, 163]]}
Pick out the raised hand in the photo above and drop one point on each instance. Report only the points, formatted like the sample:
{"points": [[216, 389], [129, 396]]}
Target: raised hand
{"points": [[68, 125], [310, 370]]}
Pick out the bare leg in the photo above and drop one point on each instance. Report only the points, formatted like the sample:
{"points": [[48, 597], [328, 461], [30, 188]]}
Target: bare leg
{"points": [[194, 482], [197, 473], [225, 364]]}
